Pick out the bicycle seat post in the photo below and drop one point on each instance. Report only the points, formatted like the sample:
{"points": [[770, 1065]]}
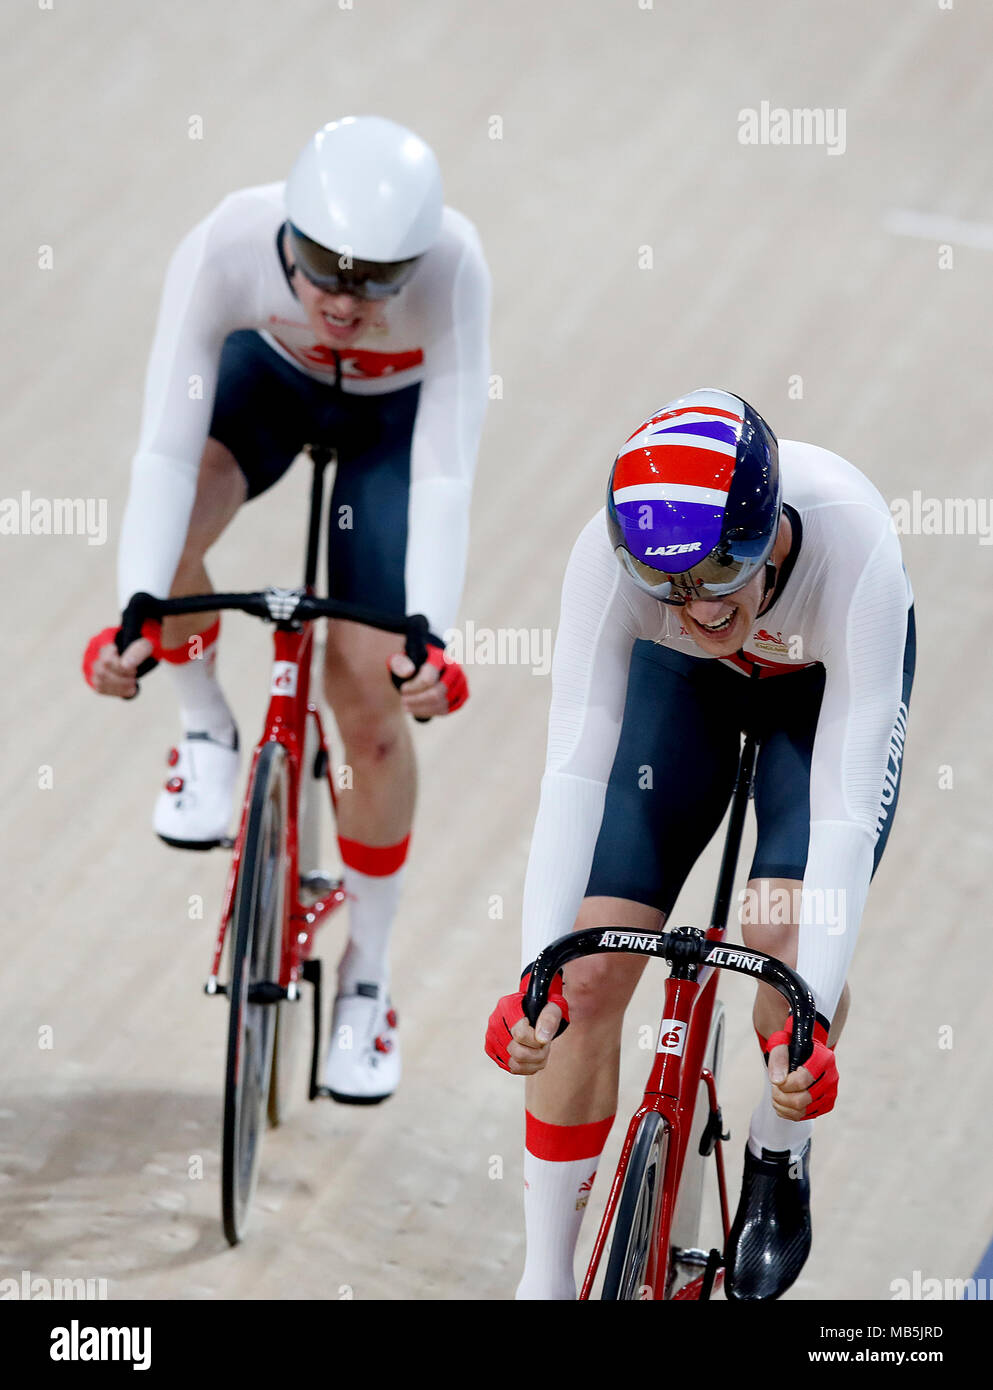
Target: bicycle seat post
{"points": [[321, 456]]}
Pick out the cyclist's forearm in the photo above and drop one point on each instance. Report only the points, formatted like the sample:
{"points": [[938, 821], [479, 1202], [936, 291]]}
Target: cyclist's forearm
{"points": [[153, 530], [835, 887], [565, 834], [437, 545]]}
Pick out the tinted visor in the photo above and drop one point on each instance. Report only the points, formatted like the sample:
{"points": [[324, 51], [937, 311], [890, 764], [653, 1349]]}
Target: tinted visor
{"points": [[340, 273], [719, 574]]}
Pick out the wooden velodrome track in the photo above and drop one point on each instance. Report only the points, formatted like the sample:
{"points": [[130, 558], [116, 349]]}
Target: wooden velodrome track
{"points": [[770, 263]]}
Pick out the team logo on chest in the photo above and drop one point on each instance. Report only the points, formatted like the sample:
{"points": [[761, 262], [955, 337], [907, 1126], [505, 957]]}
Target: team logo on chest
{"points": [[357, 364], [770, 642]]}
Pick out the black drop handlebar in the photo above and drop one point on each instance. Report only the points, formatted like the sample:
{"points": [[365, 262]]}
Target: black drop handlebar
{"points": [[686, 949], [288, 606]]}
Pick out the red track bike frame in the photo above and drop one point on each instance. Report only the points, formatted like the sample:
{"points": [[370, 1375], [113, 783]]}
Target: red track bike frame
{"points": [[671, 1091], [289, 709]]}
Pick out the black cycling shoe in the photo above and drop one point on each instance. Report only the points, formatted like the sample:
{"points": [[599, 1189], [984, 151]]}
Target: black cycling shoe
{"points": [[770, 1238]]}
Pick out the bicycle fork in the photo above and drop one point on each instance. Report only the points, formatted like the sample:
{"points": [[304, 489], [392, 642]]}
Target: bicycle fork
{"points": [[671, 1092]]}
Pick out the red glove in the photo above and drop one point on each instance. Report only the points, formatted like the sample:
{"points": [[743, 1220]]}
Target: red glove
{"points": [[453, 678], [153, 631], [510, 1010], [821, 1064]]}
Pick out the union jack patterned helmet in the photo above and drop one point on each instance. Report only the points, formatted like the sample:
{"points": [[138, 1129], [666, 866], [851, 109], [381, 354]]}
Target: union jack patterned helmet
{"points": [[694, 498]]}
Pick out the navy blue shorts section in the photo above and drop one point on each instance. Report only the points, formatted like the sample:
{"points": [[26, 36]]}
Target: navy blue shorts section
{"points": [[674, 771], [672, 777], [265, 411]]}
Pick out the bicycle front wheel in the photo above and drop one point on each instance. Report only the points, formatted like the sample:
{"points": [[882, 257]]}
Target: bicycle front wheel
{"points": [[257, 922], [289, 1012], [635, 1223]]}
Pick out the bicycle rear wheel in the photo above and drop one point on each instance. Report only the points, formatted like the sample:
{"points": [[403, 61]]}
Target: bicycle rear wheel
{"points": [[257, 923], [634, 1225]]}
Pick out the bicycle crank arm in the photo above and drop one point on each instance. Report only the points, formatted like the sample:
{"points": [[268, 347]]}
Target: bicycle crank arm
{"points": [[266, 992], [312, 974], [714, 1261]]}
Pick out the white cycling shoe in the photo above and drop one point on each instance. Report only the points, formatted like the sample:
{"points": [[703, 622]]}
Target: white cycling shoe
{"points": [[194, 807], [363, 1062]]}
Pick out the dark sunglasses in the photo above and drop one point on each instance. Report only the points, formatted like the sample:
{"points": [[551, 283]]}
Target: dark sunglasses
{"points": [[340, 273]]}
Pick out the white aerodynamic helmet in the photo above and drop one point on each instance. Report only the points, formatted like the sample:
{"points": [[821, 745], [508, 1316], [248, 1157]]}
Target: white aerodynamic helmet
{"points": [[364, 201]]}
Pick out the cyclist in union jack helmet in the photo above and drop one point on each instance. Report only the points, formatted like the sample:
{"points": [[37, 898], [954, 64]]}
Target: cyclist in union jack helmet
{"points": [[348, 308], [734, 583]]}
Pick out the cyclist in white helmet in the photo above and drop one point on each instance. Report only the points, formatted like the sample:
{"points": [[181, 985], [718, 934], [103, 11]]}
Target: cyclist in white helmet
{"points": [[348, 308]]}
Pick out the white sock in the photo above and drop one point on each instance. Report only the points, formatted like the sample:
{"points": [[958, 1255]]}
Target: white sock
{"points": [[372, 906], [202, 706], [768, 1131], [556, 1191]]}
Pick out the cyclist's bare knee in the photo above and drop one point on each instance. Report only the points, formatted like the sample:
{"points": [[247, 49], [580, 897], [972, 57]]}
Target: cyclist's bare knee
{"points": [[367, 739], [359, 690], [599, 988]]}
